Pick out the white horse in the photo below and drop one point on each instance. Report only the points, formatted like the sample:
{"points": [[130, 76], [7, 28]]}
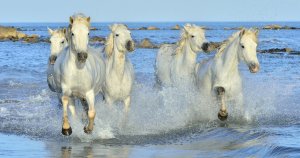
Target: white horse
{"points": [[79, 70], [175, 64], [219, 76], [58, 42], [119, 70]]}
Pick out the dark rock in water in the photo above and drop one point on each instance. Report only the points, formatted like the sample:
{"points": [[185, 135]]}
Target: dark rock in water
{"points": [[278, 27], [233, 28], [31, 39], [272, 27], [176, 27], [142, 28], [276, 50], [98, 39], [212, 46], [11, 34], [152, 28], [146, 43], [147, 28], [94, 28]]}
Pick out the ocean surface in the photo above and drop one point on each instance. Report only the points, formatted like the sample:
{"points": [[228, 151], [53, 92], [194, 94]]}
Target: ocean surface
{"points": [[162, 122]]}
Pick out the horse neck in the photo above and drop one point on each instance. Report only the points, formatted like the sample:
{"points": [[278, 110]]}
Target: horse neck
{"points": [[187, 56], [117, 61], [70, 57], [230, 57]]}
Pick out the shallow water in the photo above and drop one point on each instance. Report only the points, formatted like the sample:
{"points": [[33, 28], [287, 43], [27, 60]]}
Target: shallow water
{"points": [[166, 122]]}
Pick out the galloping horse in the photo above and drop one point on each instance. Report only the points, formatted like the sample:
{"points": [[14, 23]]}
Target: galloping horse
{"points": [[119, 70], [80, 71], [175, 64], [219, 76], [58, 43]]}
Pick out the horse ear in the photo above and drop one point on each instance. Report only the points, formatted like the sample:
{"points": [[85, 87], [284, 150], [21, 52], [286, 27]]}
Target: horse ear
{"points": [[50, 31], [64, 30], [256, 31], [187, 27], [88, 19], [242, 32], [71, 20]]}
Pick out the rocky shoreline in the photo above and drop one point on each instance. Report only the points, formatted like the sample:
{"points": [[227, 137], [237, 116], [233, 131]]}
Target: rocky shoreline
{"points": [[13, 34]]}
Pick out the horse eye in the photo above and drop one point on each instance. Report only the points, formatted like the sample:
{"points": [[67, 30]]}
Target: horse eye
{"points": [[243, 46], [88, 34], [72, 34], [192, 36], [62, 42], [117, 35]]}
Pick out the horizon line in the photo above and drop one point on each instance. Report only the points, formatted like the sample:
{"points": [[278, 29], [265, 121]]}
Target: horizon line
{"points": [[152, 21]]}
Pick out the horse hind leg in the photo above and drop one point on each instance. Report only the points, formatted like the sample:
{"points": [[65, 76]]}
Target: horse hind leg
{"points": [[72, 108], [127, 104], [66, 128], [223, 114], [85, 109]]}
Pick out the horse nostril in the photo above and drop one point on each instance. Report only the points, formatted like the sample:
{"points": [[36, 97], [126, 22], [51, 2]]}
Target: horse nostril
{"points": [[129, 46], [205, 46], [52, 59]]}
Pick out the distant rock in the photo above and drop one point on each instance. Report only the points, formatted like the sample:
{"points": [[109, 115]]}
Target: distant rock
{"points": [[147, 28], [176, 27], [146, 43], [277, 50], [32, 39], [152, 28], [278, 27], [142, 28], [272, 27], [233, 28], [212, 46], [11, 34], [98, 39], [94, 28]]}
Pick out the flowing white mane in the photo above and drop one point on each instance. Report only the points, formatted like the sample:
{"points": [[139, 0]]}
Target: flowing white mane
{"points": [[181, 42], [226, 43], [109, 44], [81, 18], [233, 37]]}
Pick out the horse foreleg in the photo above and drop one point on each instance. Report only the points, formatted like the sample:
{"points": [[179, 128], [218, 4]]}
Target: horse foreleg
{"points": [[90, 96], [222, 115], [66, 128], [127, 104]]}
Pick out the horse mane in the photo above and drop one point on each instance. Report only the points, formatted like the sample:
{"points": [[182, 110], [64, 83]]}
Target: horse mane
{"points": [[233, 37], [80, 17], [181, 42], [109, 44], [226, 43], [61, 31]]}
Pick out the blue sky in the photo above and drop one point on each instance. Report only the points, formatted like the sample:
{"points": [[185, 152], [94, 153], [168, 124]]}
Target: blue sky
{"points": [[150, 10]]}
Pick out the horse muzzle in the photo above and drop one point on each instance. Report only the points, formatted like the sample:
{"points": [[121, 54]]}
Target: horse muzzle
{"points": [[82, 57], [205, 46], [52, 59], [254, 68], [130, 46]]}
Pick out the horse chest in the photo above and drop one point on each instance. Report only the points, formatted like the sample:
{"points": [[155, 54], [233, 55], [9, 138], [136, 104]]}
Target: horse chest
{"points": [[118, 86]]}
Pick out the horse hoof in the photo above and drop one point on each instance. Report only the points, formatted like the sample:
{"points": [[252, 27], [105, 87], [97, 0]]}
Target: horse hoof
{"points": [[66, 132], [87, 131], [222, 115]]}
